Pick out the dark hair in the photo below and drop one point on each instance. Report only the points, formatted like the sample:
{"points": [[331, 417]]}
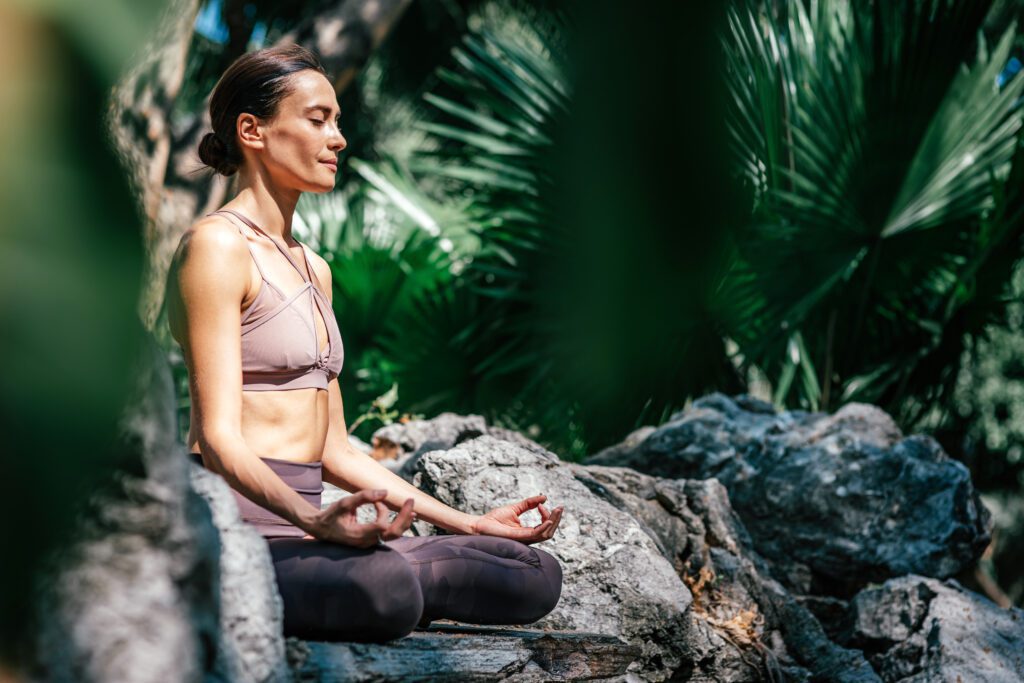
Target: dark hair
{"points": [[254, 83]]}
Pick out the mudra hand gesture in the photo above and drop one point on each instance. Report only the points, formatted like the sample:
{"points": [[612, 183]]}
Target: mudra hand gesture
{"points": [[504, 521], [338, 523]]}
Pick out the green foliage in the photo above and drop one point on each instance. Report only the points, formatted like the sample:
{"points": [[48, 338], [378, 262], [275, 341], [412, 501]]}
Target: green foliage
{"points": [[886, 168], [496, 126], [989, 397]]}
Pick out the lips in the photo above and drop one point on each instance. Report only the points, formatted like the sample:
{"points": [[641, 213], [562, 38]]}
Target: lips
{"points": [[333, 165]]}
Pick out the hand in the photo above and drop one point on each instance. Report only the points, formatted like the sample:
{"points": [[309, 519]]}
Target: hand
{"points": [[337, 523], [504, 521]]}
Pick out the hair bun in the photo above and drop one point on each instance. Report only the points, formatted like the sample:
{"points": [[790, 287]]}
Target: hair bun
{"points": [[215, 154]]}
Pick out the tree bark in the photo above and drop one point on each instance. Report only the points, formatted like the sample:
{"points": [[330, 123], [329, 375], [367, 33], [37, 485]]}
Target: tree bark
{"points": [[172, 186]]}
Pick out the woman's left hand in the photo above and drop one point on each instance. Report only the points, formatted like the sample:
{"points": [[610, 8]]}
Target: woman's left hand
{"points": [[504, 521]]}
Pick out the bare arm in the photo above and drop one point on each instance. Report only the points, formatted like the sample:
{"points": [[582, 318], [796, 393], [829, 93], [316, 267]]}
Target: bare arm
{"points": [[212, 278], [350, 469]]}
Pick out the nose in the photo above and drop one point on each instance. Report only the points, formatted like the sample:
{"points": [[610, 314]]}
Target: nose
{"points": [[337, 141]]}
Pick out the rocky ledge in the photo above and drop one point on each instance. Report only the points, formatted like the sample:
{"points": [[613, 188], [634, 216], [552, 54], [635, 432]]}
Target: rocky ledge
{"points": [[449, 652]]}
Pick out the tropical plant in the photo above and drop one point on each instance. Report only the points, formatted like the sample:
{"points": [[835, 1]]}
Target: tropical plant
{"points": [[474, 345], [885, 162]]}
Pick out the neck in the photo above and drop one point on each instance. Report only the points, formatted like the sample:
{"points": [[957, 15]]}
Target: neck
{"points": [[269, 207]]}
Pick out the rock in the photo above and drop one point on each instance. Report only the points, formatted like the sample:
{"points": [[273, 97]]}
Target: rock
{"points": [[735, 630], [399, 445], [252, 644], [466, 653], [915, 628], [832, 501], [132, 599], [740, 613], [615, 579]]}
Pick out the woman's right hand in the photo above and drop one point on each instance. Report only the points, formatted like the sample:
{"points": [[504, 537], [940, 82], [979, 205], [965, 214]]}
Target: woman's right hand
{"points": [[337, 523]]}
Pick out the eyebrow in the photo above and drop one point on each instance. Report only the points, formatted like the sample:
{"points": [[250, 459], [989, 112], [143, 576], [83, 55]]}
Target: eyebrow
{"points": [[326, 110]]}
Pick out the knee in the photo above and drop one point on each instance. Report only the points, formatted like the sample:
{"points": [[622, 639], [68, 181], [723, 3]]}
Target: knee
{"points": [[396, 603], [549, 587]]}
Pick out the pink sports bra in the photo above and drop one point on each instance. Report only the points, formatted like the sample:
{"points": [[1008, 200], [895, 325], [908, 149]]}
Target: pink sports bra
{"points": [[280, 349]]}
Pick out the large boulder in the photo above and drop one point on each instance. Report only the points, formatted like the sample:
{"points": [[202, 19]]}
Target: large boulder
{"points": [[915, 628], [165, 582], [615, 579], [832, 501], [663, 564], [133, 598], [400, 444], [740, 613]]}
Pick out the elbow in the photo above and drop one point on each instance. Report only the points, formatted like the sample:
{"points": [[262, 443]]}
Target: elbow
{"points": [[214, 444]]}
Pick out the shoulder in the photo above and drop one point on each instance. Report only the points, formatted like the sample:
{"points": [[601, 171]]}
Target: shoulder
{"points": [[212, 247], [208, 272], [321, 269], [211, 237]]}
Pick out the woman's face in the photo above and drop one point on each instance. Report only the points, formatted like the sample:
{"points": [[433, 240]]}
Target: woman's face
{"points": [[303, 135]]}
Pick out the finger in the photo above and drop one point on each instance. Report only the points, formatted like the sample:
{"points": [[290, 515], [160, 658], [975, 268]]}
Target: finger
{"points": [[544, 514], [537, 533], [528, 504], [368, 533], [396, 527], [526, 535], [557, 519], [401, 522], [382, 513], [361, 497], [540, 529]]}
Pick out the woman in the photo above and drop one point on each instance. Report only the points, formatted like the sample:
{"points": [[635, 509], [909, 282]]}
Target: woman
{"points": [[251, 308]]}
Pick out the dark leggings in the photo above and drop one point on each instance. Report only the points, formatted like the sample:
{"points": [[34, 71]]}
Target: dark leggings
{"points": [[337, 592]]}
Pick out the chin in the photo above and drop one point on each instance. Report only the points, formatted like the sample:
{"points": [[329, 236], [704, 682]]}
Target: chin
{"points": [[317, 187]]}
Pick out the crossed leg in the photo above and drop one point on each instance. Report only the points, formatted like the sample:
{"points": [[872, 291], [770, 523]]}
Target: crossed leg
{"points": [[482, 579], [341, 593]]}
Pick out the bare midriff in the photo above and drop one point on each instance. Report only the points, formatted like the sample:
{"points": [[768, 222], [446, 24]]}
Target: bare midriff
{"points": [[287, 425]]}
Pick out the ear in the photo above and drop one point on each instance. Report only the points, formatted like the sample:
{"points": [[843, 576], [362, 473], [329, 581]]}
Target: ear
{"points": [[250, 131]]}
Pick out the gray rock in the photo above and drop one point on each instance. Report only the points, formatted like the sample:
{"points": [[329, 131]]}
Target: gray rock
{"points": [[132, 598], [745, 625], [832, 501], [918, 629], [615, 579], [454, 653], [251, 611], [410, 440]]}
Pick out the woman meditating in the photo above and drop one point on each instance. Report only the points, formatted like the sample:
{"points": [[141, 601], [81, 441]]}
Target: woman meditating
{"points": [[251, 308]]}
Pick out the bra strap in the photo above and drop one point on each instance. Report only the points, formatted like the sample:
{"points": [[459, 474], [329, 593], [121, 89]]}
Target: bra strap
{"points": [[312, 276], [287, 254], [253, 255]]}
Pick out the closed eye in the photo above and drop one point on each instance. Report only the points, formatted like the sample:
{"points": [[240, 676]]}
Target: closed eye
{"points": [[321, 122]]}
